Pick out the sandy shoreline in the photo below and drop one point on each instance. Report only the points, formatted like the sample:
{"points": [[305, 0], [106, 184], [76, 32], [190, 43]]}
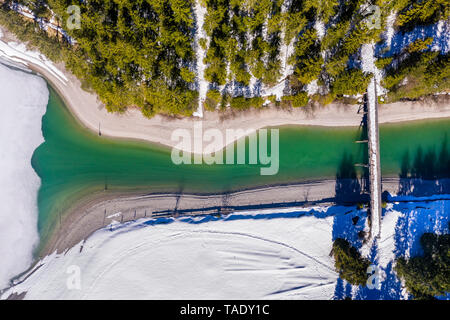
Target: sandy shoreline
{"points": [[101, 209], [132, 125]]}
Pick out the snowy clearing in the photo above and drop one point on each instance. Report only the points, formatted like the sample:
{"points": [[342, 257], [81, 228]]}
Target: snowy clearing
{"points": [[247, 255]]}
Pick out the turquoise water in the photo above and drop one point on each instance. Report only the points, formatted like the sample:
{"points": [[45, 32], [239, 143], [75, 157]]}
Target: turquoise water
{"points": [[74, 162]]}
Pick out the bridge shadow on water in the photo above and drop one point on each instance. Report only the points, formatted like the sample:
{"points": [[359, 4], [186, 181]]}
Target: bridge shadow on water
{"points": [[350, 188], [352, 185]]}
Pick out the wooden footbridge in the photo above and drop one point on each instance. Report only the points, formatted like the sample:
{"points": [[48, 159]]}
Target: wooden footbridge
{"points": [[373, 144]]}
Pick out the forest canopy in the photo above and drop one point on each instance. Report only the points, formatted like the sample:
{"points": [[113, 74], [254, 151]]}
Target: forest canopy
{"points": [[428, 275], [145, 53]]}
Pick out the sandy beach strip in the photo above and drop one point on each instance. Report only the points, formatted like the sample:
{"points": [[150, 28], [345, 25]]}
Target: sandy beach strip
{"points": [[90, 112], [103, 208]]}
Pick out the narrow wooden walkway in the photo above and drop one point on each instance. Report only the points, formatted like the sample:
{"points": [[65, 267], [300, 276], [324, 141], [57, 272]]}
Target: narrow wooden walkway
{"points": [[374, 159]]}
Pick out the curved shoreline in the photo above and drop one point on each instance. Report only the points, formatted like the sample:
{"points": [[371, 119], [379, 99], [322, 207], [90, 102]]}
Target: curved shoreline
{"points": [[100, 209], [133, 125], [91, 114], [92, 213]]}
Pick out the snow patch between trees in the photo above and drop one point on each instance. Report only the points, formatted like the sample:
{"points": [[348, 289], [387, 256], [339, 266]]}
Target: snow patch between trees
{"points": [[200, 33]]}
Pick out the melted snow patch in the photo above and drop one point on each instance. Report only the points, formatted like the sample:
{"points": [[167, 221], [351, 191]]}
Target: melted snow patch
{"points": [[312, 87], [320, 29]]}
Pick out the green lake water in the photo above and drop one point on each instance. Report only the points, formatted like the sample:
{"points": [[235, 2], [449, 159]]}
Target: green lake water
{"points": [[74, 161]]}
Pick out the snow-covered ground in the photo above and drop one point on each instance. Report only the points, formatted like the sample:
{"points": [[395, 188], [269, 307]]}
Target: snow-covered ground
{"points": [[390, 31], [240, 256], [320, 29], [397, 41], [246, 255], [23, 101], [312, 87], [286, 50], [200, 12], [52, 24], [368, 66], [18, 53], [402, 226]]}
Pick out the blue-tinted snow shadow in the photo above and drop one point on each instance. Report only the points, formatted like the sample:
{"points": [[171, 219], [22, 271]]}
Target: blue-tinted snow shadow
{"points": [[425, 217], [400, 40], [323, 213], [201, 219], [419, 218], [416, 218]]}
